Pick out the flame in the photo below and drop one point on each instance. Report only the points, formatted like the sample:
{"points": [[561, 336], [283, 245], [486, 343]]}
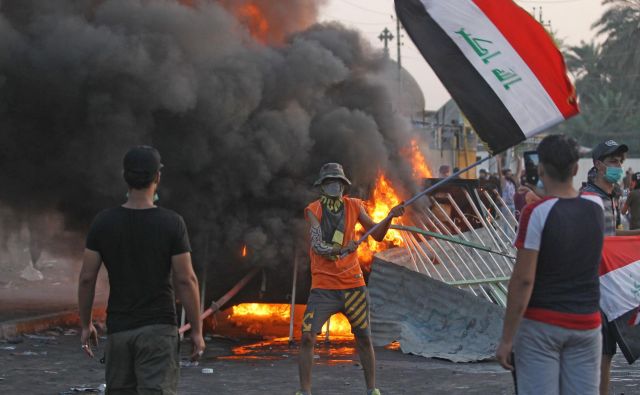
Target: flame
{"points": [[250, 14], [418, 162], [254, 18], [277, 312], [383, 199], [267, 21], [244, 250], [339, 326], [261, 310]]}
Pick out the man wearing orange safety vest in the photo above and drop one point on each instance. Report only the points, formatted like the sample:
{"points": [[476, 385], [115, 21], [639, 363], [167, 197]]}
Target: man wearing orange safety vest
{"points": [[337, 283]]}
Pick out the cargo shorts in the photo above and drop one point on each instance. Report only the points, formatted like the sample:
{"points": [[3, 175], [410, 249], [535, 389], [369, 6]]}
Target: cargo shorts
{"points": [[323, 303], [143, 361]]}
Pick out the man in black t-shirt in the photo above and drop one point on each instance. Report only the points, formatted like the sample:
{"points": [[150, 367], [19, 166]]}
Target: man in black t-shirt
{"points": [[141, 245], [552, 320]]}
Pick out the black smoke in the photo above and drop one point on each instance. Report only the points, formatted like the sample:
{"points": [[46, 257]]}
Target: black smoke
{"points": [[242, 126]]}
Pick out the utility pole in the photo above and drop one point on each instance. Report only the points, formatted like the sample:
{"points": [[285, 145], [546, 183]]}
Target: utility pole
{"points": [[399, 59], [399, 44], [546, 24], [385, 37]]}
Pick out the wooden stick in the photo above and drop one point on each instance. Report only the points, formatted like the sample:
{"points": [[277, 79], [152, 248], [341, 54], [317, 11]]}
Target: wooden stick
{"points": [[215, 306]]}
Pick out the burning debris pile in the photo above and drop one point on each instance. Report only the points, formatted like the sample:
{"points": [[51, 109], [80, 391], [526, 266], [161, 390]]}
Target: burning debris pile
{"points": [[244, 99], [270, 320]]}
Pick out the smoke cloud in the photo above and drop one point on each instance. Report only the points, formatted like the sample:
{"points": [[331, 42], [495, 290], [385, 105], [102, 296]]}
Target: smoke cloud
{"points": [[243, 123]]}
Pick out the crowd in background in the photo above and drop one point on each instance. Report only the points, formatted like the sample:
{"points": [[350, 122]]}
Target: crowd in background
{"points": [[516, 193]]}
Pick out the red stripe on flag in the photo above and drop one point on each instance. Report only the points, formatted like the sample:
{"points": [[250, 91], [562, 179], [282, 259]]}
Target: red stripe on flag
{"points": [[618, 252], [536, 47], [634, 319]]}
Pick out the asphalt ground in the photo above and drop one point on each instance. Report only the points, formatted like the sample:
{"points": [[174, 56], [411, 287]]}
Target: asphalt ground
{"points": [[53, 363]]}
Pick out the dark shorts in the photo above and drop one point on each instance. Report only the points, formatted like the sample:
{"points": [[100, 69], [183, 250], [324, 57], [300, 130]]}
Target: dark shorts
{"points": [[352, 302], [144, 360], [608, 337]]}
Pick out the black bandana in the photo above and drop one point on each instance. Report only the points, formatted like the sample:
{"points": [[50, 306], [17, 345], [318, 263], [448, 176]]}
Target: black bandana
{"points": [[332, 222]]}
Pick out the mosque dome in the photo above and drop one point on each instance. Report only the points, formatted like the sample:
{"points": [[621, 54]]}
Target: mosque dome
{"points": [[408, 96]]}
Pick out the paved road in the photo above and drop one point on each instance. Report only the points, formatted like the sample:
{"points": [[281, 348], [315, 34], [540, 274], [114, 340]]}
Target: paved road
{"points": [[54, 364]]}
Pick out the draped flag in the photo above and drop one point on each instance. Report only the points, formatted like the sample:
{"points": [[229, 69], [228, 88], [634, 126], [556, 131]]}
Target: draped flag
{"points": [[498, 63], [620, 290]]}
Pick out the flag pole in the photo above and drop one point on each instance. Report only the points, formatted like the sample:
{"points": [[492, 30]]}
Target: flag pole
{"points": [[418, 196]]}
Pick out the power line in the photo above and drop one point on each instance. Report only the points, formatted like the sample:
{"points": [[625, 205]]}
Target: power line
{"points": [[341, 19], [364, 8]]}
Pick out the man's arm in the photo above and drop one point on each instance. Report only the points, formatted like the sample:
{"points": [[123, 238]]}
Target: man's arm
{"points": [[501, 176], [520, 288], [533, 189], [518, 170], [186, 284], [367, 223], [86, 293], [635, 232], [625, 208], [627, 204], [318, 245]]}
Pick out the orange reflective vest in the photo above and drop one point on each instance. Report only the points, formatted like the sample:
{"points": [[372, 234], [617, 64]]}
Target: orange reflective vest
{"points": [[341, 273]]}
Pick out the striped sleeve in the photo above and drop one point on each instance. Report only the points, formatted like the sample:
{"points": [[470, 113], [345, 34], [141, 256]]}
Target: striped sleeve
{"points": [[593, 197], [532, 221]]}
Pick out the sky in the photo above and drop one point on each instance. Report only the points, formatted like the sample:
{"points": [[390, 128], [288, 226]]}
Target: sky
{"points": [[571, 20]]}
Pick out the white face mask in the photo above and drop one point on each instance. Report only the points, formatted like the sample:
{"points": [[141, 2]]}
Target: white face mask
{"points": [[333, 189]]}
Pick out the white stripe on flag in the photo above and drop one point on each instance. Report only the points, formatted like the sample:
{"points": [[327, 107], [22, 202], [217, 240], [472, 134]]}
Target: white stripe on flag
{"points": [[526, 99], [620, 290], [636, 319]]}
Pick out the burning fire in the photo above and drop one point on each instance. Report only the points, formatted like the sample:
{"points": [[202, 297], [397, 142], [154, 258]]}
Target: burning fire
{"points": [[253, 17], [261, 310], [244, 250], [280, 313], [256, 17], [383, 199], [418, 162], [338, 326]]}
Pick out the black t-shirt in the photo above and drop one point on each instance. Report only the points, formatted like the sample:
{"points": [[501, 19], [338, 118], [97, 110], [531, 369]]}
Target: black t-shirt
{"points": [[568, 235], [136, 247]]}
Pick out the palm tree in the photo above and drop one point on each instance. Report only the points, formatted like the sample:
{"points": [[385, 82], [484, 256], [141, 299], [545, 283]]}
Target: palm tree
{"points": [[607, 78], [584, 63], [620, 24]]}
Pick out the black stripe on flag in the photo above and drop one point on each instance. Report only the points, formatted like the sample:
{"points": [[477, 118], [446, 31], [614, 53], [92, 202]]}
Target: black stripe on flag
{"points": [[627, 336], [477, 100]]}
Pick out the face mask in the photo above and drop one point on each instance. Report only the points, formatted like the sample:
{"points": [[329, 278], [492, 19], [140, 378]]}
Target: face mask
{"points": [[332, 189], [540, 184], [613, 174]]}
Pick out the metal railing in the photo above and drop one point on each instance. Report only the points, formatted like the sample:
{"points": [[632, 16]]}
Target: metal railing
{"points": [[478, 259]]}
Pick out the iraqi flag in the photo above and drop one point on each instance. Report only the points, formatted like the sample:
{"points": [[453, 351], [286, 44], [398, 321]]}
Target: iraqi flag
{"points": [[498, 63], [620, 291]]}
